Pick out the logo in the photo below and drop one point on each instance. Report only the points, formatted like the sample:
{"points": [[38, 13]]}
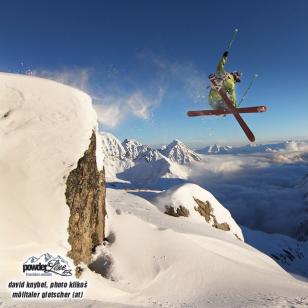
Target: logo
{"points": [[46, 265]]}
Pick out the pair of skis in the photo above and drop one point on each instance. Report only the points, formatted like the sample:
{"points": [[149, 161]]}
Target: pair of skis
{"points": [[217, 112]]}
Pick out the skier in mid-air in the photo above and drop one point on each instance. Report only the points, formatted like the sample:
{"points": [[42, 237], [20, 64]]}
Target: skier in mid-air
{"points": [[222, 97], [227, 82]]}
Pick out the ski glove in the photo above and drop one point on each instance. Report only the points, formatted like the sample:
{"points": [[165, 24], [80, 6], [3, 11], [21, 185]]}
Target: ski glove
{"points": [[225, 54]]}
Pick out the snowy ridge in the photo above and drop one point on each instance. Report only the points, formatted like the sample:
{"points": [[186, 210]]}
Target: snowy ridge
{"points": [[215, 149], [140, 152], [256, 148], [142, 165]]}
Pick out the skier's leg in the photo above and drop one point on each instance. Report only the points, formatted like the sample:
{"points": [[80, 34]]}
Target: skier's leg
{"points": [[218, 104]]}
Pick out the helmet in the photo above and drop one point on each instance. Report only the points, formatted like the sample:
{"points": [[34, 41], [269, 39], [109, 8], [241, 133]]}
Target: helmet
{"points": [[237, 76]]}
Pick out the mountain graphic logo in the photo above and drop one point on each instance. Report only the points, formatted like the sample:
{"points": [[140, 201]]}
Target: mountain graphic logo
{"points": [[46, 265]]}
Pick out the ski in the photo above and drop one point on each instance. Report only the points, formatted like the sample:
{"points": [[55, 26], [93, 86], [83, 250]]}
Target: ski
{"points": [[233, 109], [196, 113]]}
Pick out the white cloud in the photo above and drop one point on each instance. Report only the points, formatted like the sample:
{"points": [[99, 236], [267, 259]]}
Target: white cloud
{"points": [[113, 108]]}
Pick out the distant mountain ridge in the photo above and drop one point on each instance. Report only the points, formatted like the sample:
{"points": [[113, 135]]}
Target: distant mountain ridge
{"points": [[139, 164], [255, 148], [133, 150]]}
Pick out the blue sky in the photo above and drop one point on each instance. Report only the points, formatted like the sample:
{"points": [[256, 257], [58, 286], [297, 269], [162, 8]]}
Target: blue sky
{"points": [[146, 62]]}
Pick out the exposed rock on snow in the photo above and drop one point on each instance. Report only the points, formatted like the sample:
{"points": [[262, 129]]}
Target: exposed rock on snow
{"points": [[199, 205], [206, 210], [178, 152], [85, 196], [180, 211]]}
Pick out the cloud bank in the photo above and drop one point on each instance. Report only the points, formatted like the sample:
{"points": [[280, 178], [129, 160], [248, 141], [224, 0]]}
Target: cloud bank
{"points": [[261, 190]]}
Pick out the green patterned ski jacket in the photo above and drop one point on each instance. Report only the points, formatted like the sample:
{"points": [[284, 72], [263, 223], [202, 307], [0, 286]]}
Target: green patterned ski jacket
{"points": [[215, 100]]}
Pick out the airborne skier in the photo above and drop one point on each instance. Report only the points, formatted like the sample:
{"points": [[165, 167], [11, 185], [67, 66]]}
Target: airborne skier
{"points": [[222, 97], [227, 82]]}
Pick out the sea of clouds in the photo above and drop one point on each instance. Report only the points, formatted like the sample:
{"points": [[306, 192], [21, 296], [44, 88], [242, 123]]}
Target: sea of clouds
{"points": [[263, 191]]}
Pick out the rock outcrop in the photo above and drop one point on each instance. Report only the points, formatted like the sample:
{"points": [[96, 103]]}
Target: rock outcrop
{"points": [[180, 211], [206, 210], [85, 196]]}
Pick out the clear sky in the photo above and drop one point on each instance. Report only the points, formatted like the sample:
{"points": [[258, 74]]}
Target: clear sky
{"points": [[146, 62]]}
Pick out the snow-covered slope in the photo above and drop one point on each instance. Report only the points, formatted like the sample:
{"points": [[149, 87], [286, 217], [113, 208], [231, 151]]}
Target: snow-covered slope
{"points": [[45, 127], [198, 202], [156, 174], [178, 152], [176, 262], [286, 251]]}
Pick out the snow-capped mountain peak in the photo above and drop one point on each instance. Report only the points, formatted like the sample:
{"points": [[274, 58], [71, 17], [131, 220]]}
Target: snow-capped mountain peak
{"points": [[111, 146], [133, 148], [140, 152], [178, 152]]}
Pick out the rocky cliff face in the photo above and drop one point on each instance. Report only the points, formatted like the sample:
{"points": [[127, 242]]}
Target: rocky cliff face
{"points": [[85, 196]]}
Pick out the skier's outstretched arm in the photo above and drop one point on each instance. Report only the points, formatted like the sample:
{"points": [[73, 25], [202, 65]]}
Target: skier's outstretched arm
{"points": [[221, 65]]}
